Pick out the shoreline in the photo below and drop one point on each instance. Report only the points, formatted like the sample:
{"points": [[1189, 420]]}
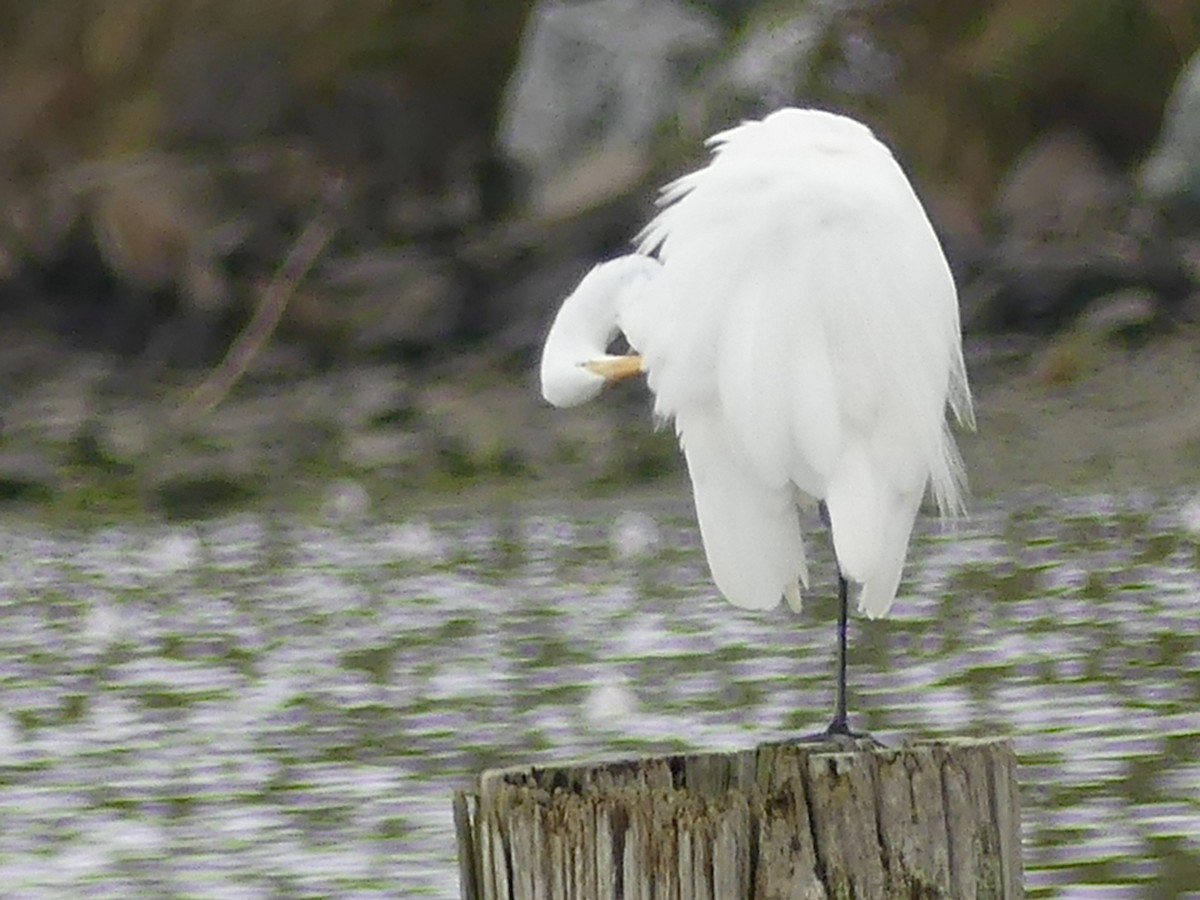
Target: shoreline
{"points": [[84, 436]]}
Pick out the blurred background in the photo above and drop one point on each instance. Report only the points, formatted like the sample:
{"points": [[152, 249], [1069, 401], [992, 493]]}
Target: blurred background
{"points": [[290, 547], [251, 250]]}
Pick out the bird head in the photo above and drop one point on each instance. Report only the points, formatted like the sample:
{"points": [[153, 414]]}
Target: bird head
{"points": [[576, 364]]}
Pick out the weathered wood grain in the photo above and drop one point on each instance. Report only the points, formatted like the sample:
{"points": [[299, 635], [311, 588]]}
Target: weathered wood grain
{"points": [[800, 821]]}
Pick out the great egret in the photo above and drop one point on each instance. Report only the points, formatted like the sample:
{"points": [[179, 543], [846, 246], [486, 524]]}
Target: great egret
{"points": [[795, 316]]}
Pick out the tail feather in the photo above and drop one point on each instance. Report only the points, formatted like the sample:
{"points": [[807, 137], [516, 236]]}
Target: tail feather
{"points": [[751, 530], [872, 519], [882, 582]]}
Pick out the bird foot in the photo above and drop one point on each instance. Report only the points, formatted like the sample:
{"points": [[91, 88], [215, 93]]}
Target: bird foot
{"points": [[839, 735]]}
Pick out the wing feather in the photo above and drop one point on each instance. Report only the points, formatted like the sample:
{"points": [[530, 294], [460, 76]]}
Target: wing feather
{"points": [[813, 343], [751, 530]]}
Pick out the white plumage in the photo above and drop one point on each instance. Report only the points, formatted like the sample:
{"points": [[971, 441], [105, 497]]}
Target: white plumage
{"points": [[796, 318]]}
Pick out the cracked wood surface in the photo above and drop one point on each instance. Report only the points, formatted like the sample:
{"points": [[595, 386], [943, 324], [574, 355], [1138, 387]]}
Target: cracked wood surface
{"points": [[934, 819]]}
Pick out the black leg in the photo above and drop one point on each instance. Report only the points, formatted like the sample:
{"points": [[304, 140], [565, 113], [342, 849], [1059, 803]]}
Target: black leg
{"points": [[839, 731], [840, 723]]}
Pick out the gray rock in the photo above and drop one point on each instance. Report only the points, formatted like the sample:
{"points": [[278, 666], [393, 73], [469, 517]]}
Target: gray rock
{"points": [[59, 405], [28, 476], [728, 11], [397, 298], [1037, 285], [222, 92], [258, 434], [599, 73], [1070, 235], [1045, 284], [125, 434], [372, 397], [382, 448], [1128, 312], [480, 423], [771, 60], [36, 222], [1172, 171], [345, 502], [1061, 187], [1187, 251]]}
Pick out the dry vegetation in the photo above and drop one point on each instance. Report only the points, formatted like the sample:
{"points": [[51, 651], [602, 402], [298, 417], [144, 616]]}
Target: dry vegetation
{"points": [[173, 149]]}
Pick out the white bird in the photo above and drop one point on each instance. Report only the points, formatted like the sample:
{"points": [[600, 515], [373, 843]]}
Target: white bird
{"points": [[794, 314]]}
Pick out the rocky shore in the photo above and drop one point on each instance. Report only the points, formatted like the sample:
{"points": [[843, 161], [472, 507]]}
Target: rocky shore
{"points": [[162, 164], [85, 435]]}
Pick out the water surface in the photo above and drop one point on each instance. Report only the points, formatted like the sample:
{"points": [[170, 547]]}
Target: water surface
{"points": [[254, 708]]}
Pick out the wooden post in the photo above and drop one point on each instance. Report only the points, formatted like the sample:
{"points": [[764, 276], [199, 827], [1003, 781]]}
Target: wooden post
{"points": [[780, 822]]}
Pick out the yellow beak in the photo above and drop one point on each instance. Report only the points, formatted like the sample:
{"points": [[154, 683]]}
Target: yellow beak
{"points": [[616, 368]]}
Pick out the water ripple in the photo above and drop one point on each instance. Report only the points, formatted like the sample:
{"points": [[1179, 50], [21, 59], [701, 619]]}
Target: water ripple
{"points": [[254, 708]]}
